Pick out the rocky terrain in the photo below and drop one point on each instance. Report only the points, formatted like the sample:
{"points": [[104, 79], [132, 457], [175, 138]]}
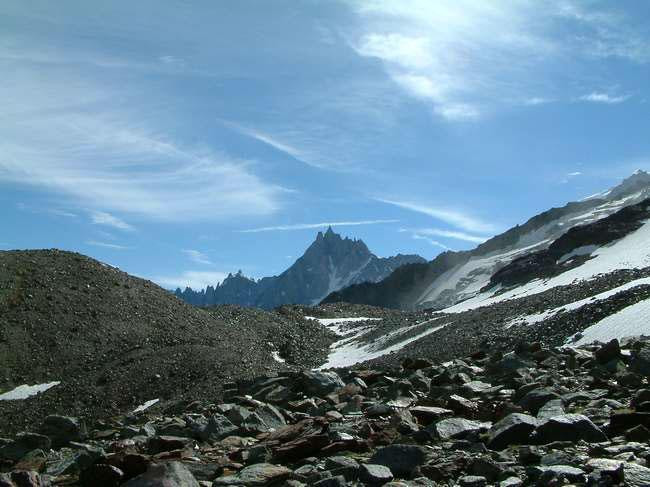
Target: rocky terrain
{"points": [[329, 264], [114, 341], [536, 415]]}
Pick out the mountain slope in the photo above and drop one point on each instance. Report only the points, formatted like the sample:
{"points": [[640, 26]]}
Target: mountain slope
{"points": [[456, 276], [330, 263], [115, 341]]}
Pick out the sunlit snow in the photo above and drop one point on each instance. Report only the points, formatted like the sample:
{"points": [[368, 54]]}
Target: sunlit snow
{"points": [[631, 321], [25, 391], [145, 406]]}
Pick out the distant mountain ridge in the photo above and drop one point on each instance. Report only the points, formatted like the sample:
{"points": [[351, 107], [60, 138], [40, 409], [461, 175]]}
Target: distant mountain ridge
{"points": [[329, 264], [453, 277]]}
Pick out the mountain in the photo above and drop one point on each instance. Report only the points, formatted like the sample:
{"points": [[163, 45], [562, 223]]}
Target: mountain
{"points": [[114, 341], [329, 264], [453, 277]]}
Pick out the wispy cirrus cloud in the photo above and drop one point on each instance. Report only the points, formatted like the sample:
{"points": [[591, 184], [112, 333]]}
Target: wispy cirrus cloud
{"points": [[106, 219], [452, 217], [309, 226], [193, 279], [106, 245], [598, 97], [437, 232], [465, 57], [197, 256], [435, 243]]}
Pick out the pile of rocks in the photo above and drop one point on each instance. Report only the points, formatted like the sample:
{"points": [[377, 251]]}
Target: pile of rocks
{"points": [[534, 416]]}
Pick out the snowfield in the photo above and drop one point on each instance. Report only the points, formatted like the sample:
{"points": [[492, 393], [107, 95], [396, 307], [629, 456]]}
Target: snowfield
{"points": [[632, 251], [631, 321], [351, 349]]}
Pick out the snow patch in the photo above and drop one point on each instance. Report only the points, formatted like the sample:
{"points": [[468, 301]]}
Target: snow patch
{"points": [[145, 406], [276, 356], [577, 252], [25, 391], [338, 325], [631, 321]]}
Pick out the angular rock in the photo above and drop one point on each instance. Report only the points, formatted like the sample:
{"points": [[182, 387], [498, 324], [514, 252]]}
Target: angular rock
{"points": [[472, 481], [536, 398], [459, 428], [172, 474], [608, 352], [260, 474], [102, 475], [569, 427], [63, 429], [375, 474], [23, 444], [319, 383], [514, 429], [402, 460]]}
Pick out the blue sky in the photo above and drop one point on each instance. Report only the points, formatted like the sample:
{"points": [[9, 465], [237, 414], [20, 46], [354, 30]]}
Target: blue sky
{"points": [[182, 140]]}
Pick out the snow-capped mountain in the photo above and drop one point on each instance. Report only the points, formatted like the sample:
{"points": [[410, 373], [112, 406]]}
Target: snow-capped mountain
{"points": [[329, 264], [453, 277]]}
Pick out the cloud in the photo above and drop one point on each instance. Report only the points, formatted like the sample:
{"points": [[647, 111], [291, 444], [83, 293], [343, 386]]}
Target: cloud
{"points": [[308, 226], [51, 211], [574, 174], [194, 279], [464, 57], [106, 245], [198, 257], [450, 234], [452, 217], [596, 97], [435, 243], [103, 218]]}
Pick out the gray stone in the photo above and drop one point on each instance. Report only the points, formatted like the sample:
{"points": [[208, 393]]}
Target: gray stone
{"points": [[214, 428], [63, 429], [317, 383], [260, 474], [402, 460], [472, 481], [514, 429], [23, 444], [338, 481], [640, 361], [172, 474], [536, 398], [459, 428], [511, 482], [375, 474], [554, 407], [635, 474], [569, 427]]}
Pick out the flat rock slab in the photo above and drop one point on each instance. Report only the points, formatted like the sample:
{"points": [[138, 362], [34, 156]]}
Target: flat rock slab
{"points": [[257, 475]]}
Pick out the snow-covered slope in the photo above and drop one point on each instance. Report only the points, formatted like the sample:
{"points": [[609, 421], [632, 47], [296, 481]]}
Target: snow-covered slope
{"points": [[454, 277]]}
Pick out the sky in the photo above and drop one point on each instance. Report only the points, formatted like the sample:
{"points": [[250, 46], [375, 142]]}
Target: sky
{"points": [[181, 141]]}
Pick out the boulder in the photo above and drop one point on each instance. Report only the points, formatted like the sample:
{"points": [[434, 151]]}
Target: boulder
{"points": [[63, 429], [402, 460], [260, 474], [317, 383], [172, 474], [375, 474], [569, 427], [459, 428], [514, 429]]}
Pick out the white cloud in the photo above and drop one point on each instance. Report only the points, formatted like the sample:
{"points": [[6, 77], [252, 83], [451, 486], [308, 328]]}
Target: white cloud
{"points": [[453, 217], [308, 226], [606, 98], [465, 57], [193, 279], [106, 245], [197, 256], [450, 234], [435, 243], [103, 218]]}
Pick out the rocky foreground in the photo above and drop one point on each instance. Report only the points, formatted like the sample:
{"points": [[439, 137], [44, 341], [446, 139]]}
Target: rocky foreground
{"points": [[535, 416]]}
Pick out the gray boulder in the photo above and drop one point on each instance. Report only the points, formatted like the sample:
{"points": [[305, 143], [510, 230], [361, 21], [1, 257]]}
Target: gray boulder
{"points": [[569, 427], [514, 429], [402, 460], [260, 474], [317, 383], [63, 429], [375, 474], [172, 474], [459, 428]]}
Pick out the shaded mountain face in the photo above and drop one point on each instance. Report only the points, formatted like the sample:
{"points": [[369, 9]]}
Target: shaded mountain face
{"points": [[453, 277], [329, 264]]}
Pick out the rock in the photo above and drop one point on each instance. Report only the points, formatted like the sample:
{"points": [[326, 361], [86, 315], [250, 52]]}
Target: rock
{"points": [[472, 481], [34, 460], [338, 481], [403, 421], [639, 434], [25, 478], [102, 475], [635, 475], [159, 444], [569, 427], [545, 475], [552, 408], [214, 428], [608, 352], [319, 383], [459, 428], [172, 474], [63, 429], [536, 398], [514, 429], [640, 361], [260, 474], [402, 460], [271, 416], [375, 474], [511, 482], [427, 415], [23, 444], [462, 406]]}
